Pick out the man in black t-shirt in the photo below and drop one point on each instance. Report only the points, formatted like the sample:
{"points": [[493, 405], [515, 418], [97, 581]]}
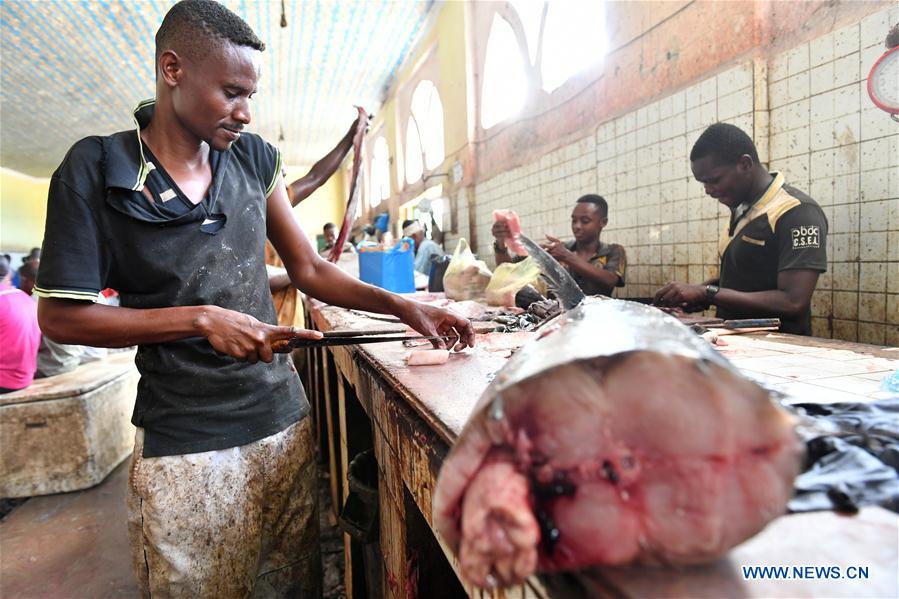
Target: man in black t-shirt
{"points": [[174, 214], [776, 243]]}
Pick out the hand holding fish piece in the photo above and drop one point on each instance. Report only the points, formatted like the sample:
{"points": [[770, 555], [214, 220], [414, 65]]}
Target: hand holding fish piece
{"points": [[506, 229], [432, 322], [355, 126], [500, 232]]}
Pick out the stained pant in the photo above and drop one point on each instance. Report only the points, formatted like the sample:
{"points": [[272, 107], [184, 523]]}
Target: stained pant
{"points": [[238, 522]]}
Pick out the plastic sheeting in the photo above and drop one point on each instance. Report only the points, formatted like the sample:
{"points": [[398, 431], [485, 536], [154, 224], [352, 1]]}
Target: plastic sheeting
{"points": [[852, 459]]}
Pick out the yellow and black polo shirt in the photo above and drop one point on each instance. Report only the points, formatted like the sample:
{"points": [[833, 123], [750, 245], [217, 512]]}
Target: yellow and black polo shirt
{"points": [[103, 231], [784, 230], [608, 256]]}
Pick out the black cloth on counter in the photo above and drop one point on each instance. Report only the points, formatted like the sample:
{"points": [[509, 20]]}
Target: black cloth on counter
{"points": [[854, 464]]}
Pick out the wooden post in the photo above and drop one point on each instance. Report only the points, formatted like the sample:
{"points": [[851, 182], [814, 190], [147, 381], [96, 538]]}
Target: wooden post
{"points": [[344, 466], [333, 454]]}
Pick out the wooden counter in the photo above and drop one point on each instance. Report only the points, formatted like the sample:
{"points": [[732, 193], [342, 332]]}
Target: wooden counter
{"points": [[365, 396]]}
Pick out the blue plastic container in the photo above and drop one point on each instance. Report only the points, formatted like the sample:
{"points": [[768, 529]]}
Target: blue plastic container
{"points": [[392, 269]]}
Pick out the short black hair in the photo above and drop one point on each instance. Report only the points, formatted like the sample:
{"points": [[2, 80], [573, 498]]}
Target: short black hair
{"points": [[597, 200], [192, 27], [369, 230], [725, 142], [408, 222], [4, 266], [329, 226]]}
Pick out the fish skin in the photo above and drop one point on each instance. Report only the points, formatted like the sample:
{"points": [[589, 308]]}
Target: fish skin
{"points": [[568, 292]]}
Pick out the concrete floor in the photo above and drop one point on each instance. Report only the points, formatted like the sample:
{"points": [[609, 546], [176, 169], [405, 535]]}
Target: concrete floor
{"points": [[70, 544], [76, 544]]}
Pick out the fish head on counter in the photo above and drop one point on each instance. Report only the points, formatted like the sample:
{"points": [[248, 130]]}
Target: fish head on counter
{"points": [[616, 436]]}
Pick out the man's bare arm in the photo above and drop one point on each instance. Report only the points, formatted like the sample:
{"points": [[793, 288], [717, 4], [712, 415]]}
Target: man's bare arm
{"points": [[322, 170], [325, 281], [309, 272], [277, 279], [84, 323], [501, 233], [791, 298], [87, 323]]}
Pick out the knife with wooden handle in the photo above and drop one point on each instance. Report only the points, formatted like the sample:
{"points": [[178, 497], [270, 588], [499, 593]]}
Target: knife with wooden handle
{"points": [[283, 346]]}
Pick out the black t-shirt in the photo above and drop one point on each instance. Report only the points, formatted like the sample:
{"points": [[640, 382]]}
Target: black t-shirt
{"points": [[784, 230], [103, 232]]}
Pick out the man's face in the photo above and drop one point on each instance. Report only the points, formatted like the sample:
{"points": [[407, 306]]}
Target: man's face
{"points": [[587, 222], [331, 235], [212, 95], [730, 184]]}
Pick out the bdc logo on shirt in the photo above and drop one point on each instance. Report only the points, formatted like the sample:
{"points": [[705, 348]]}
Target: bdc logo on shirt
{"points": [[805, 237]]}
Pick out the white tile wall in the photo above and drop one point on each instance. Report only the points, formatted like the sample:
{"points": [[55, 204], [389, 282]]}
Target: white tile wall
{"points": [[852, 153], [811, 117], [541, 192]]}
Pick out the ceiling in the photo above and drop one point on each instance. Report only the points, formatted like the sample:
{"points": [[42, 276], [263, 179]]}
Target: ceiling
{"points": [[71, 68]]}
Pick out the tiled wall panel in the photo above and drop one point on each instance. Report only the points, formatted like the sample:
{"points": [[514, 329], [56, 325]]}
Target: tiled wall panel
{"points": [[832, 141]]}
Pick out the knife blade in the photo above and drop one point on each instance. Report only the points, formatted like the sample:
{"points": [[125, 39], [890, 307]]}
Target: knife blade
{"points": [[283, 346]]}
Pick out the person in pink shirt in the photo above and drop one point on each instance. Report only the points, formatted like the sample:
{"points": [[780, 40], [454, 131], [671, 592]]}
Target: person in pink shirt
{"points": [[19, 334]]}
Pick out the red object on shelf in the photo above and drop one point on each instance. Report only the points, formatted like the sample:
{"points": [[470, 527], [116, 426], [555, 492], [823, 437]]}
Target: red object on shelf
{"points": [[889, 60]]}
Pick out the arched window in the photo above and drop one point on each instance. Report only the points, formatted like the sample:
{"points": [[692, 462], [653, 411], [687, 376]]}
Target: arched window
{"points": [[424, 131], [427, 208], [530, 13], [414, 164], [505, 81], [574, 37], [380, 173]]}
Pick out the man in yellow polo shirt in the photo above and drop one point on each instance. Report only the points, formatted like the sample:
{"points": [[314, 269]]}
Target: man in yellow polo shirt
{"points": [[776, 245]]}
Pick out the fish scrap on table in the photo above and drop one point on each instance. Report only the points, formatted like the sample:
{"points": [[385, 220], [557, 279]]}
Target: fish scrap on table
{"points": [[513, 323]]}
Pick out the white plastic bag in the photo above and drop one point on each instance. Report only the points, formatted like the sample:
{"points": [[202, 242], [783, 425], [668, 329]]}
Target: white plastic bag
{"points": [[508, 279], [466, 277]]}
